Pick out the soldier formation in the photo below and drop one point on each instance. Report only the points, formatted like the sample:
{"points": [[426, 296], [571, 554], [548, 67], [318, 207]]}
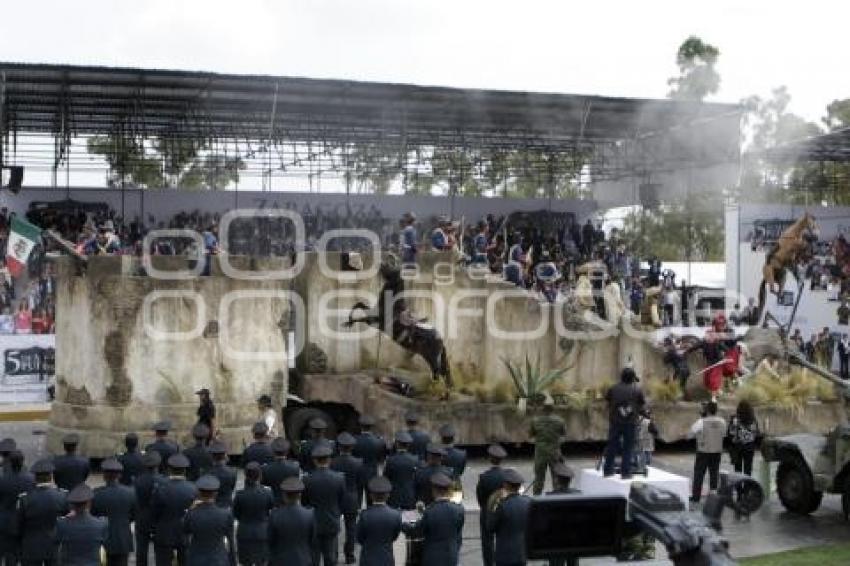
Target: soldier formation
{"points": [[296, 504]]}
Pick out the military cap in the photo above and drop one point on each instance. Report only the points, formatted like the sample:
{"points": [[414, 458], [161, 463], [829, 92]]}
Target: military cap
{"points": [[321, 450], [380, 484], [366, 420], [253, 470], [513, 477], [80, 494], [562, 470], [202, 391], [7, 445], [71, 439], [436, 450], [411, 418], [178, 462], [345, 439], [111, 465], [496, 451], [441, 480], [292, 485], [318, 423], [131, 437], [43, 466], [162, 426], [280, 445], [151, 459], [217, 447], [259, 428], [447, 431], [403, 437], [200, 431], [208, 483]]}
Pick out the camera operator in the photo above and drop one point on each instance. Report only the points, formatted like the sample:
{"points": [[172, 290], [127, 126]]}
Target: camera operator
{"points": [[625, 401], [709, 432]]}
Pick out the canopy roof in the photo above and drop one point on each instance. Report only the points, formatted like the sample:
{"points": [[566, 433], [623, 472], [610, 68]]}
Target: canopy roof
{"points": [[299, 126], [97, 100]]}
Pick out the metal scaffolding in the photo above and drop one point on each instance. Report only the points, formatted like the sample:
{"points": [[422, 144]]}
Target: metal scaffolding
{"points": [[280, 126]]}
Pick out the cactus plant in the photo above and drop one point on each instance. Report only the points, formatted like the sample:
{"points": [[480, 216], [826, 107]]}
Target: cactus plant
{"points": [[530, 381]]}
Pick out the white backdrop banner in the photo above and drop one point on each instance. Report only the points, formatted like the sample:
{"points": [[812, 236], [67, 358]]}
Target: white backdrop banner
{"points": [[28, 367]]}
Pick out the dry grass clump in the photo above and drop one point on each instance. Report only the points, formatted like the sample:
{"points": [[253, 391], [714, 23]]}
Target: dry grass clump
{"points": [[790, 391], [501, 392], [599, 388], [575, 400], [663, 391], [434, 390]]}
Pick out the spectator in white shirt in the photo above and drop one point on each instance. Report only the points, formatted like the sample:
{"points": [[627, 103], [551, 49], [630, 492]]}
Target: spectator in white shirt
{"points": [[709, 431]]}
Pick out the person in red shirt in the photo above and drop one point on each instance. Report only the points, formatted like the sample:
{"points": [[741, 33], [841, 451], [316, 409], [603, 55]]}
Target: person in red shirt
{"points": [[23, 319], [42, 323]]}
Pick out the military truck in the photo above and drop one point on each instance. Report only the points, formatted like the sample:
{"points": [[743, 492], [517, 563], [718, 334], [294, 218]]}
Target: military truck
{"points": [[810, 464]]}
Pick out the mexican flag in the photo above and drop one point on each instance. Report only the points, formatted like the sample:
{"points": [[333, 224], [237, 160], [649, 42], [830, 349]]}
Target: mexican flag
{"points": [[22, 239]]}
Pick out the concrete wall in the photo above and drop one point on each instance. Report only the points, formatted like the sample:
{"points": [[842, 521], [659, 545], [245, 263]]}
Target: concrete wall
{"points": [[113, 377], [475, 336]]}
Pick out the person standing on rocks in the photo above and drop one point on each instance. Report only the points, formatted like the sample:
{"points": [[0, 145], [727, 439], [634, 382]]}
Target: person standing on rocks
{"points": [[206, 412]]}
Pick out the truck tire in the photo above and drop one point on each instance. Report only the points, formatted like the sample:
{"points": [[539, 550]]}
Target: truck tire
{"points": [[795, 486], [299, 423]]}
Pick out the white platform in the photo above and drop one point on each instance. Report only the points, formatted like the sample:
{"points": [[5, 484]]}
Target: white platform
{"points": [[592, 482]]}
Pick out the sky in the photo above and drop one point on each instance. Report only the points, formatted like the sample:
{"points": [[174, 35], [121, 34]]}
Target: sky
{"points": [[606, 47]]}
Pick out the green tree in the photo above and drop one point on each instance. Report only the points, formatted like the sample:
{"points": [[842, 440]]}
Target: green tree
{"points": [[770, 125], [372, 167], [697, 76], [128, 161], [164, 163], [837, 115], [686, 229]]}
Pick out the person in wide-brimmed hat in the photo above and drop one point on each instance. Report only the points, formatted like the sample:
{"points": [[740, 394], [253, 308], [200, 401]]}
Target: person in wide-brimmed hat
{"points": [[440, 234], [206, 411]]}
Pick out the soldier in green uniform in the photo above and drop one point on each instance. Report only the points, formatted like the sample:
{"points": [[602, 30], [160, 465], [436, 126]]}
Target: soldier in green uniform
{"points": [[547, 430]]}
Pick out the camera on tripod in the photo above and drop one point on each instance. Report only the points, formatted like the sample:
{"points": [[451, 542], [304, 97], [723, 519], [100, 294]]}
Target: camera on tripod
{"points": [[569, 527]]}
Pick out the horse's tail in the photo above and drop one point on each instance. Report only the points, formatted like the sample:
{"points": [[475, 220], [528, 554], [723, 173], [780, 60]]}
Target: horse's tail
{"points": [[762, 300]]}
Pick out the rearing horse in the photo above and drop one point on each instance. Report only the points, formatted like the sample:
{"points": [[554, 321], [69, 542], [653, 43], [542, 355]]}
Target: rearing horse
{"points": [[792, 248], [404, 329]]}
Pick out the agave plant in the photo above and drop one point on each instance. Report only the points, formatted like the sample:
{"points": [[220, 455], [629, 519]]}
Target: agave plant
{"points": [[530, 381]]}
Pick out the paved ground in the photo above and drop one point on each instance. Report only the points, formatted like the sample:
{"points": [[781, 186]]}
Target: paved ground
{"points": [[770, 530]]}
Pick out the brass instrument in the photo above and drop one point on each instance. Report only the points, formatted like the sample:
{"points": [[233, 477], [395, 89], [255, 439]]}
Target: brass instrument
{"points": [[457, 492], [495, 500]]}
